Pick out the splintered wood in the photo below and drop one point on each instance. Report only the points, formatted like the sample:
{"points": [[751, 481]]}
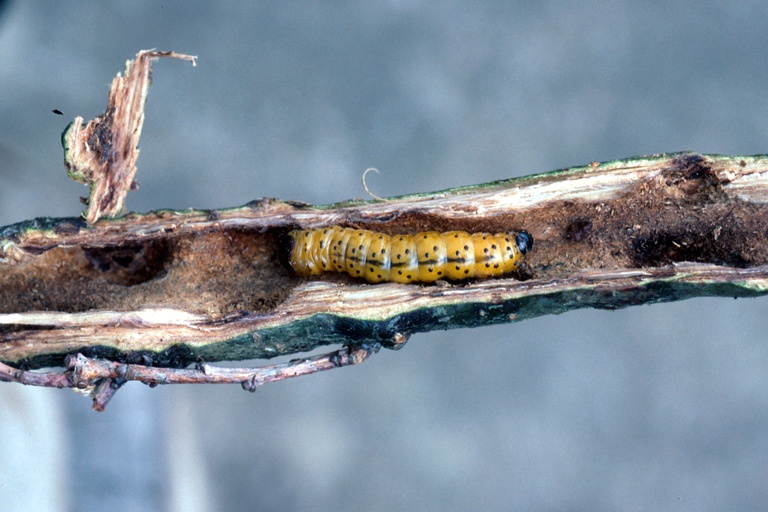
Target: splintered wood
{"points": [[102, 153]]}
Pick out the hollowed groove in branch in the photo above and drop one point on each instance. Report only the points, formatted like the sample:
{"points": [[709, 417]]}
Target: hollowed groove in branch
{"points": [[131, 264], [713, 244], [216, 273]]}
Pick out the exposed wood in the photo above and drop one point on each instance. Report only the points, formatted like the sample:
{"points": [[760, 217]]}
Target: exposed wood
{"points": [[174, 287], [102, 153]]}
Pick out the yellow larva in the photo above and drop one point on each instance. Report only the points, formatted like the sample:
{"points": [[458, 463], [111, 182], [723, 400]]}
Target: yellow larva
{"points": [[422, 257]]}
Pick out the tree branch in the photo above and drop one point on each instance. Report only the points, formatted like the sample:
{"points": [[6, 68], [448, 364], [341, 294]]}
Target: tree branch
{"points": [[144, 295]]}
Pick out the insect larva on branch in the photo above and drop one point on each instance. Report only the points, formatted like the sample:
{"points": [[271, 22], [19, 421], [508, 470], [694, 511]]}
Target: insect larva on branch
{"points": [[421, 257]]}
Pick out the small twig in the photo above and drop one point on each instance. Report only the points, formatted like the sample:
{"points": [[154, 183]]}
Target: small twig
{"points": [[110, 375], [345, 357], [101, 379], [104, 391], [44, 379], [87, 371]]}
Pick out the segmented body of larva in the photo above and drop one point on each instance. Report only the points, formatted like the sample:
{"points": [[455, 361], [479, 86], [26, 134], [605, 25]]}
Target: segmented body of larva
{"points": [[421, 257]]}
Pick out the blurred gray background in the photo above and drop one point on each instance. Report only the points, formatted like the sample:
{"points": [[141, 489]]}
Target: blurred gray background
{"points": [[652, 408]]}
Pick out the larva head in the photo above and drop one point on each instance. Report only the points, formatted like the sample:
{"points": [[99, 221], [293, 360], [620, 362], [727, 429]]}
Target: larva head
{"points": [[524, 241]]}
